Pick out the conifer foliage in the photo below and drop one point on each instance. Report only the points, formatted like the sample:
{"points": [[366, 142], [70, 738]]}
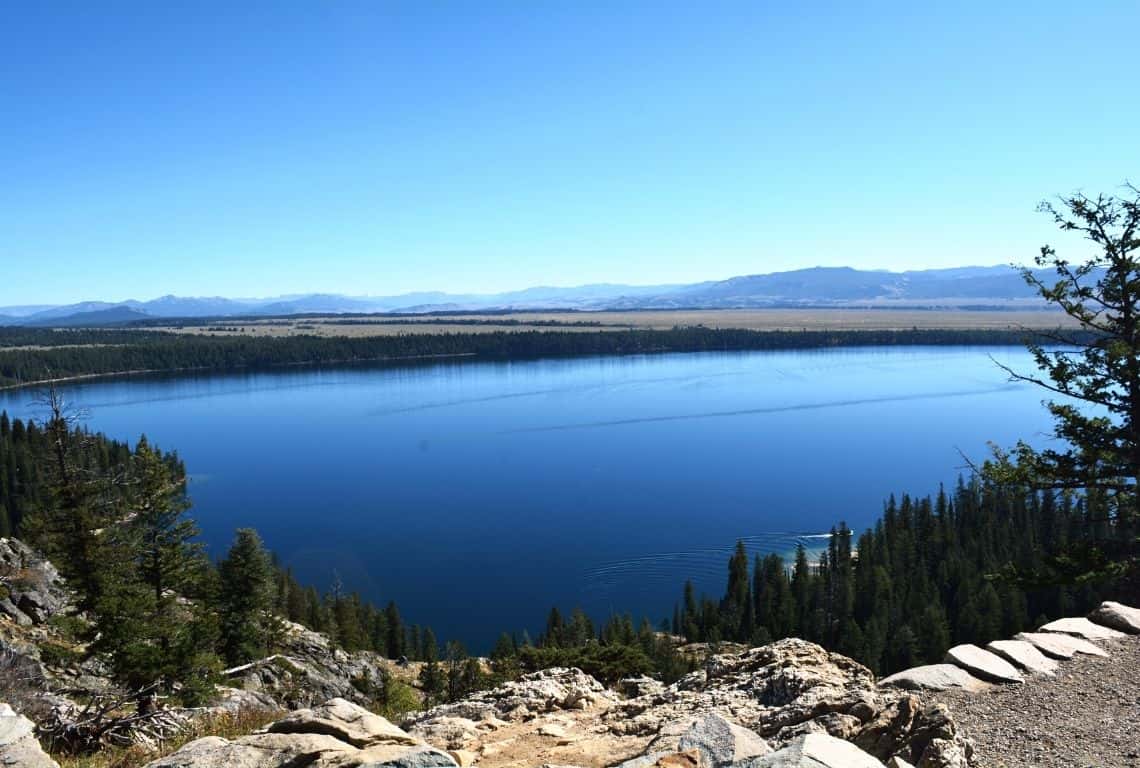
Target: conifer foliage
{"points": [[1094, 376]]}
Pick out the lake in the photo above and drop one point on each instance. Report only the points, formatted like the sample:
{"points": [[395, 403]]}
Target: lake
{"points": [[477, 494]]}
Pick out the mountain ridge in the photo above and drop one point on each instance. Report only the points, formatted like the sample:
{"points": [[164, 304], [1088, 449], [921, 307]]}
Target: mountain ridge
{"points": [[809, 287]]}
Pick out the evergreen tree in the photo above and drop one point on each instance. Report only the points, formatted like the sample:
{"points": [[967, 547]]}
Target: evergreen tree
{"points": [[246, 599], [1096, 370], [396, 639], [152, 637], [433, 682], [66, 528]]}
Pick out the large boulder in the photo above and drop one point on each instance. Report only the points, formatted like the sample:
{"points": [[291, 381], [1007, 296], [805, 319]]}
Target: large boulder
{"points": [[784, 691], [918, 733], [722, 743], [1118, 616], [548, 690], [18, 745], [817, 750], [783, 685], [401, 757], [259, 751], [345, 721], [934, 677], [981, 663], [633, 687], [337, 734], [31, 589], [1060, 646], [1024, 655], [1082, 627], [234, 700]]}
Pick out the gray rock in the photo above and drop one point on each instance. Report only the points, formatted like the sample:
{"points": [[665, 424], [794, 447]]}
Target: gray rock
{"points": [[402, 757], [549, 690], [310, 670], [817, 750], [1060, 646], [337, 734], [633, 687], [981, 663], [235, 700], [1024, 655], [898, 762], [1082, 627], [934, 677], [32, 589], [344, 721], [18, 745], [722, 743], [1118, 616], [267, 750]]}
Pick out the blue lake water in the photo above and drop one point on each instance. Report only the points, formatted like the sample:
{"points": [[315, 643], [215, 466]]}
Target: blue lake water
{"points": [[479, 494]]}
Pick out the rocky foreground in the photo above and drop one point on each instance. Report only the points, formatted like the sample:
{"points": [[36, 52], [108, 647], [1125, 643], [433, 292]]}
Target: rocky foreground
{"points": [[1068, 694], [790, 704]]}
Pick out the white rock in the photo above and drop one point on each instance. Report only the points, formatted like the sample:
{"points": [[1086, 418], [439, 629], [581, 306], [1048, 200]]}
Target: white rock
{"points": [[1024, 655], [934, 677], [346, 721], [1082, 627], [18, 745], [981, 663], [1060, 646], [266, 750], [1117, 616]]}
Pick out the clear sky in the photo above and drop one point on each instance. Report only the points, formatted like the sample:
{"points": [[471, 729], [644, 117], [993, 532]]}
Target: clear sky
{"points": [[260, 148]]}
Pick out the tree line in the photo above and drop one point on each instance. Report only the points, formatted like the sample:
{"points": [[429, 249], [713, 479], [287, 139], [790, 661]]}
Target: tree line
{"points": [[927, 576], [108, 352]]}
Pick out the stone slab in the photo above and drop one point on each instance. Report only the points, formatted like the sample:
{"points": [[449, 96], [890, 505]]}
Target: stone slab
{"points": [[1024, 655], [1059, 645], [981, 663], [1117, 616], [1082, 627], [934, 677]]}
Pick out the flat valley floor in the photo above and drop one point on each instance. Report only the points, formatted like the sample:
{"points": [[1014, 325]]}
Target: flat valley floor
{"points": [[588, 322]]}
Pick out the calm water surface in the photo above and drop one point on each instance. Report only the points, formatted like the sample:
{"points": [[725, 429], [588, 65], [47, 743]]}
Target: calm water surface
{"points": [[478, 494]]}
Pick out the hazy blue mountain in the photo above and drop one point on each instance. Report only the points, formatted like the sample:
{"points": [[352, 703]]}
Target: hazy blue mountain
{"points": [[839, 286], [817, 286], [66, 310], [177, 306], [115, 315]]}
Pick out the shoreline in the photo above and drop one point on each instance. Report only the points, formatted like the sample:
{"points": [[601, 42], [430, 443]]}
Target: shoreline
{"points": [[275, 353], [227, 369]]}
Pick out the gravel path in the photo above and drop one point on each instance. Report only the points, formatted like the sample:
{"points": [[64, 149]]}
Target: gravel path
{"points": [[1087, 716]]}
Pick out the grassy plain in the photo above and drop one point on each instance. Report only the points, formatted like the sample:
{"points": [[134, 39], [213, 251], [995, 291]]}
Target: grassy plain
{"points": [[751, 319]]}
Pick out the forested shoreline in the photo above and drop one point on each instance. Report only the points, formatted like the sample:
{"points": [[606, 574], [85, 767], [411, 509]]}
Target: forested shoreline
{"points": [[29, 356], [931, 573]]}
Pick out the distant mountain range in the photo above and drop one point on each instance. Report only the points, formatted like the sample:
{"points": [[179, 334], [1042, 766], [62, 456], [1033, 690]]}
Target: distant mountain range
{"points": [[961, 287]]}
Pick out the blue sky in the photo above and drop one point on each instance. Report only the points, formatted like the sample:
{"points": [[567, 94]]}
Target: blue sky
{"points": [[251, 149]]}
